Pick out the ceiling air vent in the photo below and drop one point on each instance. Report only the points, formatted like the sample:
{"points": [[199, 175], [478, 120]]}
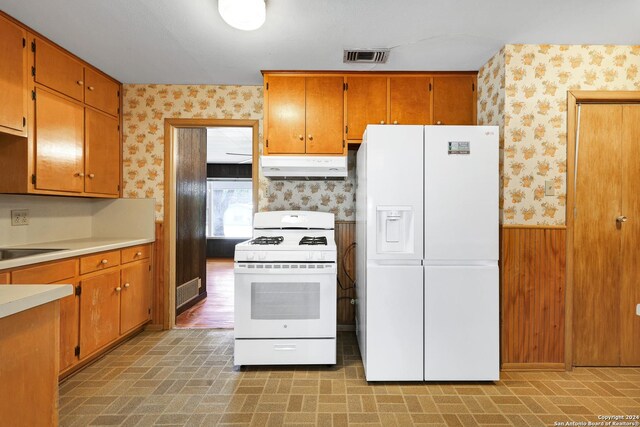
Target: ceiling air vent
{"points": [[367, 56]]}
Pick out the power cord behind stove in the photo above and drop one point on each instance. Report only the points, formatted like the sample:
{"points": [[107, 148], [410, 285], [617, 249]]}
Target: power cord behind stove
{"points": [[344, 269]]}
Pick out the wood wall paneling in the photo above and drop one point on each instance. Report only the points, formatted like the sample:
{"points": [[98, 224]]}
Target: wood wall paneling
{"points": [[158, 281], [532, 297], [346, 236]]}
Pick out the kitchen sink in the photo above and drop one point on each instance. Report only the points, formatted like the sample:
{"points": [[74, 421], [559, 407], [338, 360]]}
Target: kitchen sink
{"points": [[12, 253]]}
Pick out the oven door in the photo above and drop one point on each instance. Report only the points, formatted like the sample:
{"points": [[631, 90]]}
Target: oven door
{"points": [[285, 300]]}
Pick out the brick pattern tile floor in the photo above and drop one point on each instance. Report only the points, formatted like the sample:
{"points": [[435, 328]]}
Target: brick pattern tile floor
{"points": [[187, 378]]}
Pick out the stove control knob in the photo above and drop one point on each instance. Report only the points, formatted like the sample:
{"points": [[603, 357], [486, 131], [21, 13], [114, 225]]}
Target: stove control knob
{"points": [[263, 255], [250, 255], [322, 255], [309, 255]]}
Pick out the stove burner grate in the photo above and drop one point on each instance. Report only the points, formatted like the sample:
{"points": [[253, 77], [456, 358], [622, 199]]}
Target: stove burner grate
{"points": [[306, 240], [264, 240]]}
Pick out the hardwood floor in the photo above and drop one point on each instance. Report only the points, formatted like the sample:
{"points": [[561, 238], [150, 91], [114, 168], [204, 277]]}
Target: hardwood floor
{"points": [[215, 311]]}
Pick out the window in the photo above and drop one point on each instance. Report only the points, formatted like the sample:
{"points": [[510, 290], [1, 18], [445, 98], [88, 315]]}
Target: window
{"points": [[229, 208]]}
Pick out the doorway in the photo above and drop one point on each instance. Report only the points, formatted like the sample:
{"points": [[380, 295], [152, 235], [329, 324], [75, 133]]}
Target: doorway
{"points": [[227, 202], [172, 183], [604, 221]]}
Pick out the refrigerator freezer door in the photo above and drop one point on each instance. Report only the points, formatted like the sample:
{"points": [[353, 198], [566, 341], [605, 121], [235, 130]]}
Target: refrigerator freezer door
{"points": [[461, 323], [394, 192], [461, 187], [394, 331]]}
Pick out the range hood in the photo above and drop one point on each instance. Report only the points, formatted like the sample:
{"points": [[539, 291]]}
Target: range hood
{"points": [[304, 167]]}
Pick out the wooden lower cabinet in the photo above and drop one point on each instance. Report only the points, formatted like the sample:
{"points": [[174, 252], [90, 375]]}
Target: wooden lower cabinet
{"points": [[100, 308], [135, 297], [4, 278], [69, 325]]}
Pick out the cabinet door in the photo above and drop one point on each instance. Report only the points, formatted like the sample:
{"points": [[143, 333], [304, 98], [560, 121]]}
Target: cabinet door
{"points": [[324, 115], [100, 308], [101, 93], [136, 296], [13, 77], [286, 115], [4, 278], [409, 100], [59, 71], [366, 104], [102, 153], [59, 139], [454, 100]]}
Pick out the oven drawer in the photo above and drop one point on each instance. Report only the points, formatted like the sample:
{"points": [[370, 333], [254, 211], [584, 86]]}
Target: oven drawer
{"points": [[285, 352]]}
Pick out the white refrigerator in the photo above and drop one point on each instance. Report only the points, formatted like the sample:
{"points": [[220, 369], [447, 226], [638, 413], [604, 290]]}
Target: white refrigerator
{"points": [[427, 253]]}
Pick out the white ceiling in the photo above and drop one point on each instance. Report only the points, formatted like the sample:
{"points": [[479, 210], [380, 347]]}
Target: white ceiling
{"points": [[186, 41], [229, 145]]}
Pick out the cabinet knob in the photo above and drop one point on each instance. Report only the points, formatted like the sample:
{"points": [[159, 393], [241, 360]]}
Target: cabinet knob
{"points": [[126, 285], [80, 174], [438, 122], [300, 137], [90, 87], [138, 253], [80, 82], [118, 289], [310, 137], [621, 219], [395, 122], [104, 261], [381, 122], [91, 176]]}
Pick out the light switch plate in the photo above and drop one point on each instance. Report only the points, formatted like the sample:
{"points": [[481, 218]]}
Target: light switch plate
{"points": [[549, 190], [637, 309], [20, 217]]}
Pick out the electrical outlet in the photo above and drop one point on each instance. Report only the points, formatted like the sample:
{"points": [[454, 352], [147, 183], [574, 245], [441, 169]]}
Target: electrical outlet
{"points": [[20, 217], [549, 190]]}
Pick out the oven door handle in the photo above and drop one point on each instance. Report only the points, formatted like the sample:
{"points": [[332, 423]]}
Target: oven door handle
{"points": [[285, 347]]}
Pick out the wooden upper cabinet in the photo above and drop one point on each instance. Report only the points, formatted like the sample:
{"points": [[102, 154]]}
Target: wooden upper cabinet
{"points": [[366, 104], [102, 153], [454, 99], [101, 92], [58, 70], [59, 140], [135, 299], [324, 115], [410, 100], [286, 115], [13, 78]]}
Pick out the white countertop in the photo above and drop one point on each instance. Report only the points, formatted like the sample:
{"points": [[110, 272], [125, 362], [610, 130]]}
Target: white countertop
{"points": [[17, 298], [71, 248]]}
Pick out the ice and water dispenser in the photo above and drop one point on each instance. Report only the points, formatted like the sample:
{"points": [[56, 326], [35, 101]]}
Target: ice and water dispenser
{"points": [[395, 229]]}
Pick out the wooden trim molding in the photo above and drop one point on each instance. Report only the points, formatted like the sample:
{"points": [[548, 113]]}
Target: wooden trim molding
{"points": [[575, 97], [522, 367], [170, 140]]}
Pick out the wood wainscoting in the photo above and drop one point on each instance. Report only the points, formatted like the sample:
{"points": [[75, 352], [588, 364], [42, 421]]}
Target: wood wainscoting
{"points": [[532, 293], [158, 293], [345, 242]]}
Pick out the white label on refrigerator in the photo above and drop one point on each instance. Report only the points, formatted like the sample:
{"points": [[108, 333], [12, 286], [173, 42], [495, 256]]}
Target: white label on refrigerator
{"points": [[459, 147]]}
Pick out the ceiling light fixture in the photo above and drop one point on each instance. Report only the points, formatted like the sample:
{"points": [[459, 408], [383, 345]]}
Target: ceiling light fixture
{"points": [[244, 15]]}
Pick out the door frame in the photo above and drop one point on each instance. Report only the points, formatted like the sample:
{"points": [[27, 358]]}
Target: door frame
{"points": [[171, 125], [575, 97]]}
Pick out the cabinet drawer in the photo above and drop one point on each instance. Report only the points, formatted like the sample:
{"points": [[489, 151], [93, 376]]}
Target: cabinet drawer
{"points": [[101, 92], [135, 253], [100, 261], [59, 71], [47, 273]]}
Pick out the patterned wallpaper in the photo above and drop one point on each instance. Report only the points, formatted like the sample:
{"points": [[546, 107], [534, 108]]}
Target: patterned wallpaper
{"points": [[146, 107], [491, 102], [536, 81]]}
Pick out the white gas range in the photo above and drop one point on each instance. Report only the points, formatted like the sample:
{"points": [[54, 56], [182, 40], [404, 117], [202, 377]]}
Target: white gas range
{"points": [[285, 290]]}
